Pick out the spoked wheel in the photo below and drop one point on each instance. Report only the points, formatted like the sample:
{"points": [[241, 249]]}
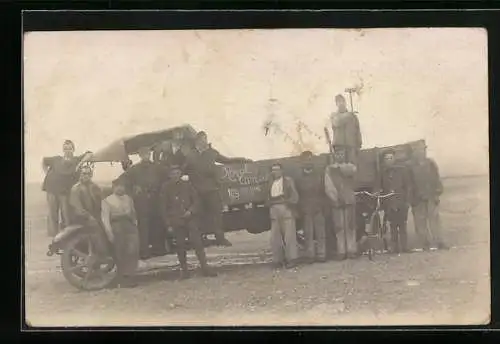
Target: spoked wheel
{"points": [[83, 268], [375, 235]]}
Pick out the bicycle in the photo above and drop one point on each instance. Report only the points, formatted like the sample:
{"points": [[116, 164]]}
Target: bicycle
{"points": [[377, 229]]}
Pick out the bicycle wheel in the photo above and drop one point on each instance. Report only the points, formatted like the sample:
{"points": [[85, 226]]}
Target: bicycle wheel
{"points": [[374, 234]]}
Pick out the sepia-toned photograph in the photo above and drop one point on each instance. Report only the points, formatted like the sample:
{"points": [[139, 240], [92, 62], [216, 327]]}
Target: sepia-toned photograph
{"points": [[256, 177]]}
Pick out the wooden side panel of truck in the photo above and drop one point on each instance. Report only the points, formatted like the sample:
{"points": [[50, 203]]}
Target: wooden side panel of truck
{"points": [[243, 186]]}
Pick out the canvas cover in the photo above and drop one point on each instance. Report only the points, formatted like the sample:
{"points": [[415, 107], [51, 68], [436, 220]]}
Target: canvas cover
{"points": [[120, 149]]}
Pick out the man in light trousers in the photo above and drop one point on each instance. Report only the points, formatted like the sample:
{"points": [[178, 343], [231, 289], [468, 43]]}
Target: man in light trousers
{"points": [[339, 188], [282, 199]]}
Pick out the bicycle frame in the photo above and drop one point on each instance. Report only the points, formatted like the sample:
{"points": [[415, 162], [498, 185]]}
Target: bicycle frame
{"points": [[376, 232]]}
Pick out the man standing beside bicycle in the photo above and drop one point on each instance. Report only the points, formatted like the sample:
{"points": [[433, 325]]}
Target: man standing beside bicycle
{"points": [[426, 191], [395, 179]]}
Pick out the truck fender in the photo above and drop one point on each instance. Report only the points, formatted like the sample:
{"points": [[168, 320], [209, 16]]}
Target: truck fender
{"points": [[67, 233]]}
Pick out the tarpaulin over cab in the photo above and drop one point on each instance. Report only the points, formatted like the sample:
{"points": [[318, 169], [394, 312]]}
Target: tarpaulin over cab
{"points": [[119, 150]]}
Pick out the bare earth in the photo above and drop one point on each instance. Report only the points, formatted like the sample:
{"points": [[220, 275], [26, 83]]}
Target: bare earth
{"points": [[439, 287]]}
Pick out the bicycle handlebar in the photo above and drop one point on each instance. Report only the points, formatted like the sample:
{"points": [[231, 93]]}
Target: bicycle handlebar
{"points": [[375, 195]]}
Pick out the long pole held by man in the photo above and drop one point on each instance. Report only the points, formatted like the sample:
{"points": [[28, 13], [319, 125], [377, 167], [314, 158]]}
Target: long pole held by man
{"points": [[351, 90]]}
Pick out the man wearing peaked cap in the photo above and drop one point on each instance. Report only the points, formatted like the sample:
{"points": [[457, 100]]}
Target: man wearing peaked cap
{"points": [[144, 179], [202, 170], [426, 190], [179, 208], [395, 178]]}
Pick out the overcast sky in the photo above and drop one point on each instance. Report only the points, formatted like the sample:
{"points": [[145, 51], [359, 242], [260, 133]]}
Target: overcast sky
{"points": [[93, 87]]}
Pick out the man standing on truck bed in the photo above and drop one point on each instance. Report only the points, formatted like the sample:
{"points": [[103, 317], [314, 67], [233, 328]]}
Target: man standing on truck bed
{"points": [[202, 170], [425, 192], [339, 187], [144, 179], [346, 129]]}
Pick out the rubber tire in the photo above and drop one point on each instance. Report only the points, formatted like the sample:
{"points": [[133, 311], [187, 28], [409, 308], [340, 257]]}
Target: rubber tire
{"points": [[374, 224], [66, 264]]}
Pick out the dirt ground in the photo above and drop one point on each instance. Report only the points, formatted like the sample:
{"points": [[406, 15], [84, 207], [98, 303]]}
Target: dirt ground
{"points": [[437, 287]]}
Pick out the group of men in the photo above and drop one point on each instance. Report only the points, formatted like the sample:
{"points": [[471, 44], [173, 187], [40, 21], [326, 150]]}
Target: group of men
{"points": [[320, 197], [164, 202]]}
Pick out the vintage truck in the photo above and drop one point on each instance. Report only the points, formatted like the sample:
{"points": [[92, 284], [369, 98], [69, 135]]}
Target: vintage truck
{"points": [[242, 191]]}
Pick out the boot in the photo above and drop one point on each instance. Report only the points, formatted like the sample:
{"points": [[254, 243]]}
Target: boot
{"points": [[127, 282], [320, 260], [182, 255], [308, 260], [224, 242], [352, 255], [185, 274], [292, 264], [208, 272], [278, 266], [205, 269], [442, 246]]}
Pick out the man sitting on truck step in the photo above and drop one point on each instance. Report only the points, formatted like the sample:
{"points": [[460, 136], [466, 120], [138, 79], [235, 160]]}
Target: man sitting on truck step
{"points": [[85, 200]]}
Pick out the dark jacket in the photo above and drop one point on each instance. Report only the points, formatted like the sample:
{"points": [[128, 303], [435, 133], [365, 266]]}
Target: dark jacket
{"points": [[396, 178], [61, 174], [143, 177], [176, 198], [311, 190], [202, 169], [339, 184], [85, 201], [168, 158], [425, 181]]}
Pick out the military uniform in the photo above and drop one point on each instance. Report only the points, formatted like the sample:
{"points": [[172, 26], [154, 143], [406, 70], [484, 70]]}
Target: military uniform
{"points": [[168, 157], [426, 188], [179, 205], [396, 179], [202, 172], [144, 180]]}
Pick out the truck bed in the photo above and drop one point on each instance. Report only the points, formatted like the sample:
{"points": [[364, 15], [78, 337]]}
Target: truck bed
{"points": [[245, 183]]}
